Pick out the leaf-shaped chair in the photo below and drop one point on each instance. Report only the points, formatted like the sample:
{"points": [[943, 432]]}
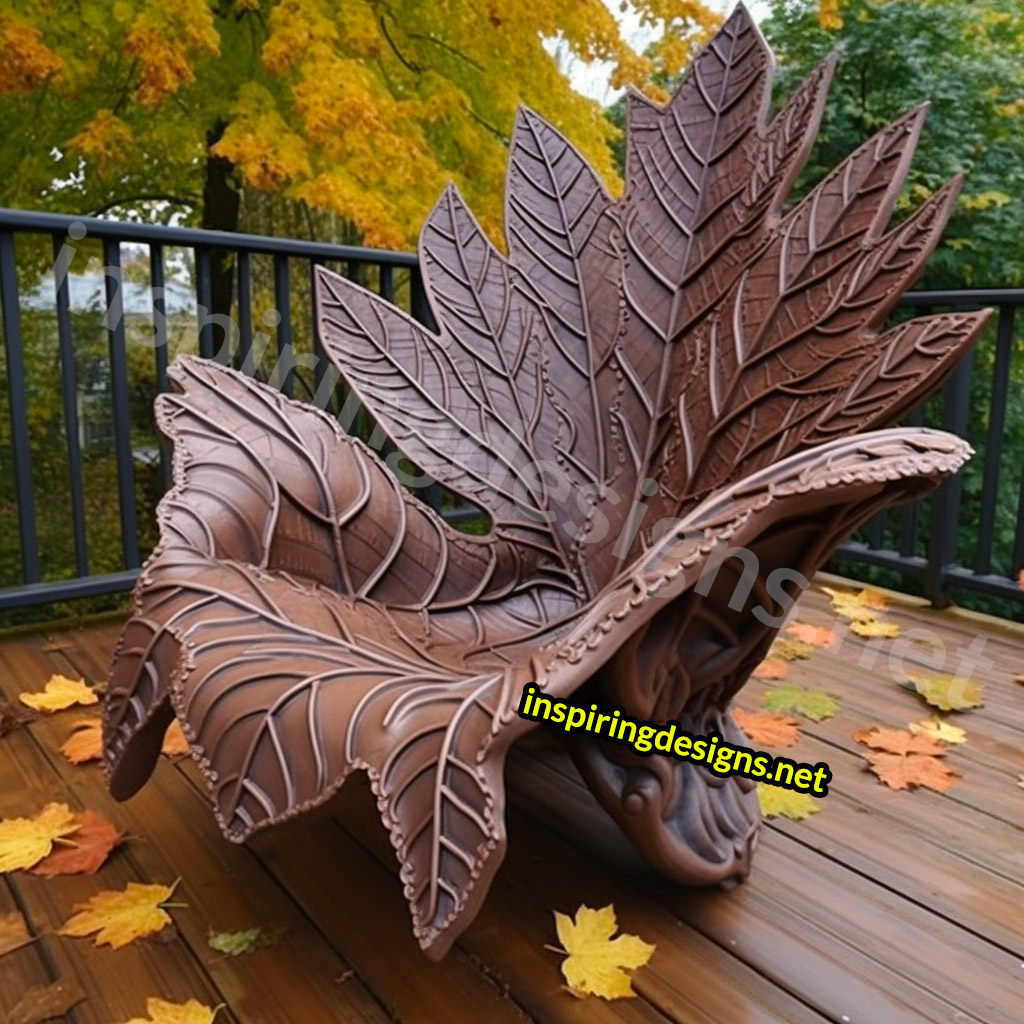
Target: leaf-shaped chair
{"points": [[691, 378]]}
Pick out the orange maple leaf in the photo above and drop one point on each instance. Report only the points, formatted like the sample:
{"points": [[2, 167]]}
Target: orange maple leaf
{"points": [[14, 933], [899, 741], [87, 851], [912, 770], [175, 742], [771, 668], [816, 636], [85, 742], [768, 727]]}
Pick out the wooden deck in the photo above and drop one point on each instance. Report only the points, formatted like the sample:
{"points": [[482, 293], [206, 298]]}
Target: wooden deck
{"points": [[886, 907]]}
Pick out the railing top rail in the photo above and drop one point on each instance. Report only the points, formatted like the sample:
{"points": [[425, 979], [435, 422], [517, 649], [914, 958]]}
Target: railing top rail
{"points": [[97, 227], [965, 298]]}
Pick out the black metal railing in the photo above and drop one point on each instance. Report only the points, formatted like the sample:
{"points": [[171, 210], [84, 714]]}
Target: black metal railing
{"points": [[967, 537], [64, 239], [948, 547]]}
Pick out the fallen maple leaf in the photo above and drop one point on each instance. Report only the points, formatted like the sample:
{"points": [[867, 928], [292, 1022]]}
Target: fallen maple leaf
{"points": [[12, 717], [26, 841], [57, 645], [939, 729], [235, 943], [790, 649], [160, 1012], [771, 668], [120, 917], [597, 963], [853, 605], [816, 636], [85, 742], [912, 770], [899, 741], [13, 933], [948, 693], [175, 744], [242, 942], [862, 609], [60, 693], [87, 850], [767, 727], [44, 1002], [812, 704], [875, 629], [777, 802]]}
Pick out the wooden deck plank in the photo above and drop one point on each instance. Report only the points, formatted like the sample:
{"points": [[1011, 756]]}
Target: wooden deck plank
{"points": [[683, 981], [116, 982], [174, 835], [820, 915], [886, 907], [358, 903], [509, 934]]}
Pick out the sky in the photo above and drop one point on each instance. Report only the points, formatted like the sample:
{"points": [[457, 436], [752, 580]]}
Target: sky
{"points": [[592, 79]]}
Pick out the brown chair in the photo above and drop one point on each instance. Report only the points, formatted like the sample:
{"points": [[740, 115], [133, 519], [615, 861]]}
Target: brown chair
{"points": [[670, 407]]}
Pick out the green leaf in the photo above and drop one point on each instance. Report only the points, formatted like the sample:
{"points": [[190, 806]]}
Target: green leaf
{"points": [[799, 700], [235, 943]]}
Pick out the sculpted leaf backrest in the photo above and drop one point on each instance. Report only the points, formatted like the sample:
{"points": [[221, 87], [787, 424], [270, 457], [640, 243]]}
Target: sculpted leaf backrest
{"points": [[639, 388]]}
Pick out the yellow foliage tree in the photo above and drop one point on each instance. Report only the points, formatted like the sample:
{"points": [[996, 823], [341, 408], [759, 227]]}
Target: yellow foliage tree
{"points": [[363, 108]]}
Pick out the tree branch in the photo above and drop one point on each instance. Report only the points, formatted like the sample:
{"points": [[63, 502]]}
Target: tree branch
{"points": [[447, 46], [144, 197], [496, 132], [414, 68]]}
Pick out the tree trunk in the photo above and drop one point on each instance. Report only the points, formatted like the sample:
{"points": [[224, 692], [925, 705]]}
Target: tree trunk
{"points": [[221, 205]]}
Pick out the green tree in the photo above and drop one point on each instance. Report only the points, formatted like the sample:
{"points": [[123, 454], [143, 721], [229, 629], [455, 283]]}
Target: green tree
{"points": [[964, 56]]}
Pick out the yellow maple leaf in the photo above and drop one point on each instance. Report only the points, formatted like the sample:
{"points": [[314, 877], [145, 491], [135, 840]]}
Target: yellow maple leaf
{"points": [[874, 628], [862, 606], [597, 963], [771, 668], [949, 693], [24, 842], [120, 917], [790, 649], [939, 729], [777, 802], [59, 693], [161, 1012]]}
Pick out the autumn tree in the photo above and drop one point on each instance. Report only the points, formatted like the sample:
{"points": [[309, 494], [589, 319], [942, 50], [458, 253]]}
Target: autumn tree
{"points": [[362, 108]]}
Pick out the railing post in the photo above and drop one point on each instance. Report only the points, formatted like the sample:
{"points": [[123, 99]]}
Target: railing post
{"points": [[113, 282], [204, 301], [16, 392], [69, 393], [946, 501], [994, 440]]}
